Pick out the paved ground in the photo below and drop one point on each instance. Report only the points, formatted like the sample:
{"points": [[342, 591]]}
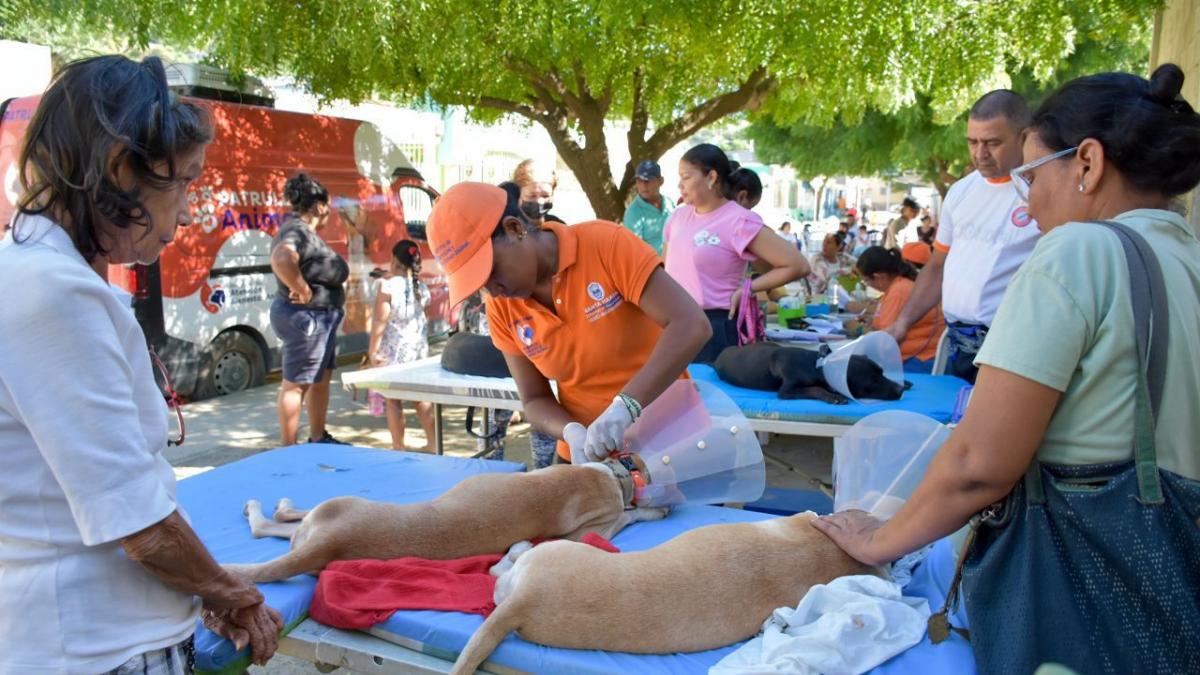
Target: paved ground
{"points": [[229, 428]]}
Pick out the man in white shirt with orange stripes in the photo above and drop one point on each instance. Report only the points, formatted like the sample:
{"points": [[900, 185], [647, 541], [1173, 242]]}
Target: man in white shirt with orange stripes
{"points": [[984, 234]]}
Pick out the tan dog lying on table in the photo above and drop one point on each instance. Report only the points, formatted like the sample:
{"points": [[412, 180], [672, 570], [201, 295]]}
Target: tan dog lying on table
{"points": [[487, 513], [707, 588]]}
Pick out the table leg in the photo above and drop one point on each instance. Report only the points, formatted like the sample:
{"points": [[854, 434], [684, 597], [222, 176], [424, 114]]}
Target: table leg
{"points": [[437, 428]]}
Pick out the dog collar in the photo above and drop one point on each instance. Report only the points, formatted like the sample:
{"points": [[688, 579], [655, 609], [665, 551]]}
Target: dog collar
{"points": [[628, 477]]}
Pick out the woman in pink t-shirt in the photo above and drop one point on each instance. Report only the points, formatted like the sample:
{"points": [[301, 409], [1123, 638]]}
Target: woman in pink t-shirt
{"points": [[709, 240]]}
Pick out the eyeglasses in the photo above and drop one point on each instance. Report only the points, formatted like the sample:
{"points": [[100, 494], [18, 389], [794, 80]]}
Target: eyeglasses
{"points": [[1022, 179], [169, 393]]}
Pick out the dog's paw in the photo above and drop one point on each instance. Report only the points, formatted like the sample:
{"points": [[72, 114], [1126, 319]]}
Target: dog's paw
{"points": [[518, 549]]}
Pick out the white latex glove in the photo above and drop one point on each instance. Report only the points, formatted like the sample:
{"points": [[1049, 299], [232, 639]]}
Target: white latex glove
{"points": [[575, 435], [607, 433]]}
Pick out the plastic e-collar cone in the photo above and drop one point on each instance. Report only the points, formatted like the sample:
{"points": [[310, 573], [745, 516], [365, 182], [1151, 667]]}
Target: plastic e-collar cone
{"points": [[697, 447], [878, 462], [878, 346]]}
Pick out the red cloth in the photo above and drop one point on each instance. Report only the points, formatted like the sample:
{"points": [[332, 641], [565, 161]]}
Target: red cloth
{"points": [[361, 593]]}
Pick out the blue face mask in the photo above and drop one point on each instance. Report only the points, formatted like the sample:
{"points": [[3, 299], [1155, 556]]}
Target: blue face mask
{"points": [[536, 210]]}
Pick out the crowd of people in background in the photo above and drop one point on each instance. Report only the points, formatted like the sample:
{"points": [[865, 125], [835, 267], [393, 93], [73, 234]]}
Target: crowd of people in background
{"points": [[1048, 268]]}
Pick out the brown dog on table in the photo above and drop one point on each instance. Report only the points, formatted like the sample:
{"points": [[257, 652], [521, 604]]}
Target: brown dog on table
{"points": [[483, 514], [707, 588]]}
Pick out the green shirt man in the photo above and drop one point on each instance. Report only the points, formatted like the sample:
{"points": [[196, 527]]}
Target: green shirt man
{"points": [[648, 212]]}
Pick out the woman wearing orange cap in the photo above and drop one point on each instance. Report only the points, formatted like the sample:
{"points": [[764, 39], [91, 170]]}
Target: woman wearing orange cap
{"points": [[588, 306]]}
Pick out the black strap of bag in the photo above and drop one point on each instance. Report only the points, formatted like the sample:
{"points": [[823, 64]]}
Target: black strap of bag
{"points": [[1148, 295]]}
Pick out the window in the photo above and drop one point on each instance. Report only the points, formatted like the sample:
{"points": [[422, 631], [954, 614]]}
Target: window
{"points": [[417, 203]]}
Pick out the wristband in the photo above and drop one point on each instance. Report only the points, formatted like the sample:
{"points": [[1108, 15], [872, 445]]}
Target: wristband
{"points": [[631, 404]]}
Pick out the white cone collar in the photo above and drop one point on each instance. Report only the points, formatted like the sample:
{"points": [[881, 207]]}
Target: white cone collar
{"points": [[877, 346], [697, 447]]}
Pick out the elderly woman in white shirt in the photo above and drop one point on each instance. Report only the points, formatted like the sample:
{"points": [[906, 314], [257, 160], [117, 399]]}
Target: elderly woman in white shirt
{"points": [[99, 569]]}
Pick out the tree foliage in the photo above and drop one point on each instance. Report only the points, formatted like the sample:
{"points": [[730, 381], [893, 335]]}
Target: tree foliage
{"points": [[911, 138], [666, 67]]}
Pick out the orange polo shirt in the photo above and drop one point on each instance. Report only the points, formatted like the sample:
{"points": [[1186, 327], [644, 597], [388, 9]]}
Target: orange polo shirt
{"points": [[597, 337], [923, 337]]}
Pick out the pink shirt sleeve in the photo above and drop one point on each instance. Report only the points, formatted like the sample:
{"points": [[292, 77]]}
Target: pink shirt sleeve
{"points": [[744, 232]]}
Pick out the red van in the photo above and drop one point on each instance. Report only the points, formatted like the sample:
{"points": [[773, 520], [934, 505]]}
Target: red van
{"points": [[205, 304]]}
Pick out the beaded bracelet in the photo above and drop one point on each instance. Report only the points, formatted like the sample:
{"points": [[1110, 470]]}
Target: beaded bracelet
{"points": [[631, 404]]}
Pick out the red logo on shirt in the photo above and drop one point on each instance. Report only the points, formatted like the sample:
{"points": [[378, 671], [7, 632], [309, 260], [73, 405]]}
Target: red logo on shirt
{"points": [[1021, 217]]}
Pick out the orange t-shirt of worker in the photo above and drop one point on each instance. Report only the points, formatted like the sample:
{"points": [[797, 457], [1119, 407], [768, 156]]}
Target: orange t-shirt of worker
{"points": [[597, 337], [923, 337]]}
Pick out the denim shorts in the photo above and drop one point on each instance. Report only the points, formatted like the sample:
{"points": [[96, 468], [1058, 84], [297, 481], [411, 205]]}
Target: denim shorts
{"points": [[307, 339]]}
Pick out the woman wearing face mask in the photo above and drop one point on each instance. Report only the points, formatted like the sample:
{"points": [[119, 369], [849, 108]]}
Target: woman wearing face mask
{"points": [[537, 182], [588, 306], [709, 240], [100, 571], [399, 333], [1091, 445]]}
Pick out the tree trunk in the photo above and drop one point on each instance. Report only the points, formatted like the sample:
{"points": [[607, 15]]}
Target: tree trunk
{"points": [[938, 173], [817, 206]]}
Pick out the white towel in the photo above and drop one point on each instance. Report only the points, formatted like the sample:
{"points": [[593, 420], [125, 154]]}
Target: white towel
{"points": [[845, 627]]}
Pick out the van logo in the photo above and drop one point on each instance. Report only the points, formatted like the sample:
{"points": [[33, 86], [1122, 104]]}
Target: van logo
{"points": [[595, 291], [213, 298]]}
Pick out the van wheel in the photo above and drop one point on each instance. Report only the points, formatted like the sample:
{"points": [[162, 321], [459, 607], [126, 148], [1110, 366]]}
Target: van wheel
{"points": [[233, 362]]}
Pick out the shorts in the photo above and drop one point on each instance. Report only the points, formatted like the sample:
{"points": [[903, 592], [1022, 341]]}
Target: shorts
{"points": [[307, 340], [178, 659]]}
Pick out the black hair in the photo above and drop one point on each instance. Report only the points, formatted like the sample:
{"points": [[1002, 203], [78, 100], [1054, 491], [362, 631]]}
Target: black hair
{"points": [[92, 109], [512, 189], [709, 157], [406, 253], [1149, 133], [304, 192], [911, 203], [1004, 103], [745, 179], [840, 237], [512, 209], [878, 259]]}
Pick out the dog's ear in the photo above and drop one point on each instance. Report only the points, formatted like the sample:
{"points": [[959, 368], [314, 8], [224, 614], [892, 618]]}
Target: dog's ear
{"points": [[907, 385]]}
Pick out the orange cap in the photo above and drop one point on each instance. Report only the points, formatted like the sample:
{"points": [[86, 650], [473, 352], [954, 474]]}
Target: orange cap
{"points": [[916, 252], [460, 233]]}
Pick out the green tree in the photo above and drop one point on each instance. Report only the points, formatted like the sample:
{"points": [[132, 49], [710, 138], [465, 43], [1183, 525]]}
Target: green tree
{"points": [[666, 67], [911, 138]]}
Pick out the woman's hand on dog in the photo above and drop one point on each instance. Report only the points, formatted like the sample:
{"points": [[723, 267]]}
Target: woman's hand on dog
{"points": [[854, 532]]}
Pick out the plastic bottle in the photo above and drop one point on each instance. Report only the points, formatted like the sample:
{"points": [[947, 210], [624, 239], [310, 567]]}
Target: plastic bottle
{"points": [[833, 295]]}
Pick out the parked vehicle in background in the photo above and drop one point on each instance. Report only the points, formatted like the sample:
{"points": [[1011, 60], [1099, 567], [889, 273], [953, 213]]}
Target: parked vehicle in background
{"points": [[204, 306]]}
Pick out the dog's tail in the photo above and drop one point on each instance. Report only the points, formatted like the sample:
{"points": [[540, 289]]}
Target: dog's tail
{"points": [[286, 566], [494, 629]]}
